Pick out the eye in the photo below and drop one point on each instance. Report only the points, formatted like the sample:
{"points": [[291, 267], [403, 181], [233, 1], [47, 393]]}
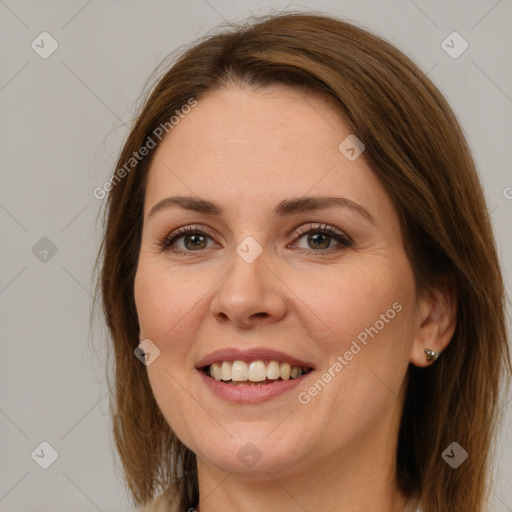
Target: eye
{"points": [[185, 240], [319, 239]]}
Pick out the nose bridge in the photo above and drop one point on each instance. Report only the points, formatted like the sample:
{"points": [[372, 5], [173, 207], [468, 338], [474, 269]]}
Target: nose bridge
{"points": [[246, 280], [248, 289]]}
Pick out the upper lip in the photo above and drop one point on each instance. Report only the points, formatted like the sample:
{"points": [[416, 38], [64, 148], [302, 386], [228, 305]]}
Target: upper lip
{"points": [[253, 354]]}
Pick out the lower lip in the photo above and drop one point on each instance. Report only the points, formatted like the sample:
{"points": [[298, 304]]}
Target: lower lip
{"points": [[251, 394]]}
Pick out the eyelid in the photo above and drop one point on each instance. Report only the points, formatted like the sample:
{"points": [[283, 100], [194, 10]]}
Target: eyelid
{"points": [[319, 226], [165, 243], [167, 239]]}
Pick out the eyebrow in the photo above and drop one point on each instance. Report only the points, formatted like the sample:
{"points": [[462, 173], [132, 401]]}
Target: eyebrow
{"points": [[285, 208]]}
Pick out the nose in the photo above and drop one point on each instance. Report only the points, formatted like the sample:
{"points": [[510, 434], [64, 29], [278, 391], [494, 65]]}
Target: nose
{"points": [[250, 294]]}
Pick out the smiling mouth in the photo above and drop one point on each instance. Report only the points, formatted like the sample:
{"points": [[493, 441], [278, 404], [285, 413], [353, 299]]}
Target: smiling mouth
{"points": [[255, 373]]}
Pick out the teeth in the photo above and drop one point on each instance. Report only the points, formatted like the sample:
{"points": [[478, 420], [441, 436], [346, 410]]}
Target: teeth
{"points": [[216, 372], [295, 371], [225, 371], [255, 371], [273, 371], [239, 371], [285, 371]]}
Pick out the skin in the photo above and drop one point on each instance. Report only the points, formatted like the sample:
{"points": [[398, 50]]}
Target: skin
{"points": [[247, 150]]}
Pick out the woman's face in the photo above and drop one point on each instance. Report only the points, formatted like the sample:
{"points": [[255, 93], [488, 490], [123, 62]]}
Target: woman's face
{"points": [[275, 277]]}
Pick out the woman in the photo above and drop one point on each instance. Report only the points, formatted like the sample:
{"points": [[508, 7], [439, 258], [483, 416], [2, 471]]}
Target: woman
{"points": [[301, 282]]}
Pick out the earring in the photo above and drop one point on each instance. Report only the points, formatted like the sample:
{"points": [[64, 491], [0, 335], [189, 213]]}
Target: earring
{"points": [[432, 355]]}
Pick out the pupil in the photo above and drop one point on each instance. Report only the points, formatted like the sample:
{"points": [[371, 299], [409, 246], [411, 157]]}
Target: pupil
{"points": [[195, 240], [315, 239]]}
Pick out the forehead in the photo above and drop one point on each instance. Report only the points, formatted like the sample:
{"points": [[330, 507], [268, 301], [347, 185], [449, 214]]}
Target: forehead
{"points": [[257, 147]]}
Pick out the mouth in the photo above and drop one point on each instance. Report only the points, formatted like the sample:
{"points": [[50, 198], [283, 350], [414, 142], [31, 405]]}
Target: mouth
{"points": [[254, 373]]}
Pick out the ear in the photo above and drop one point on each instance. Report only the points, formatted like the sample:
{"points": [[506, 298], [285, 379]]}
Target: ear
{"points": [[436, 321]]}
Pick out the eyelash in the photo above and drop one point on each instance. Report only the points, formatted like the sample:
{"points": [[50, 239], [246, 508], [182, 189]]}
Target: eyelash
{"points": [[165, 243]]}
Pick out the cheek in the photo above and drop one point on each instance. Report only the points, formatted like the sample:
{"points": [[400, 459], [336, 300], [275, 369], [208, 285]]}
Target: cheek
{"points": [[172, 306], [165, 308], [161, 299], [370, 320], [349, 301], [369, 313], [185, 416]]}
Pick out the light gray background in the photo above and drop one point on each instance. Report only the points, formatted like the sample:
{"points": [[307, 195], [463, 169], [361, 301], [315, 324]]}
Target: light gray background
{"points": [[62, 122]]}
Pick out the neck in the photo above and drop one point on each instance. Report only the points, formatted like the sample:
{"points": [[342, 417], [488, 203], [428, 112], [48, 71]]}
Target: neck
{"points": [[359, 478], [324, 492]]}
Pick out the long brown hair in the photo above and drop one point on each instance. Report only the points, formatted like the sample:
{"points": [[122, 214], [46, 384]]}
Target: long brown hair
{"points": [[416, 148]]}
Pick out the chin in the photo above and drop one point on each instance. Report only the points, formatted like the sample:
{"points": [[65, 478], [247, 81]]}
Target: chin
{"points": [[251, 458]]}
